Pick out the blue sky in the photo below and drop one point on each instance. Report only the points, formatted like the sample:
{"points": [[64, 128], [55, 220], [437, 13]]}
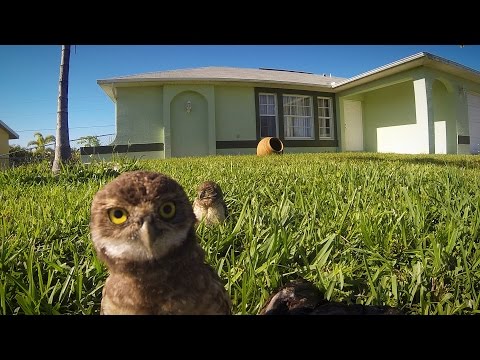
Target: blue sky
{"points": [[29, 75]]}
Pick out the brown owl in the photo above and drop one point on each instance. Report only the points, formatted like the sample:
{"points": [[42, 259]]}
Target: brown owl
{"points": [[209, 205], [142, 228]]}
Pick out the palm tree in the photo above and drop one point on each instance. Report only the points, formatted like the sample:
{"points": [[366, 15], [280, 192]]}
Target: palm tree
{"points": [[63, 152], [41, 142], [90, 140]]}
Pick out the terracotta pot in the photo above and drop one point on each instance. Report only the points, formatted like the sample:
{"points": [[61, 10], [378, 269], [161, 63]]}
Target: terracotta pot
{"points": [[269, 146]]}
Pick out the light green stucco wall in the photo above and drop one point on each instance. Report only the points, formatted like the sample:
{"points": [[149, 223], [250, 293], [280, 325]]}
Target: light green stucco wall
{"points": [[389, 107], [245, 151], [356, 92], [444, 118], [290, 150], [463, 149], [235, 113], [294, 150], [393, 85], [156, 114], [139, 113], [457, 93], [4, 148], [389, 111]]}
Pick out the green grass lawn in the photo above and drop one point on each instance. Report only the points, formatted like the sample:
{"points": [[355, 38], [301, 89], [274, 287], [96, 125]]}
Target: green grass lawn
{"points": [[365, 228]]}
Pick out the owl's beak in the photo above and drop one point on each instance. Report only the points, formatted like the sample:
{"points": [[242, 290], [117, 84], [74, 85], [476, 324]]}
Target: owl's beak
{"points": [[147, 234], [209, 196]]}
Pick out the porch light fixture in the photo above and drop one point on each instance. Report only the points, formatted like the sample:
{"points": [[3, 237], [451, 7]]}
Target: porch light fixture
{"points": [[188, 107]]}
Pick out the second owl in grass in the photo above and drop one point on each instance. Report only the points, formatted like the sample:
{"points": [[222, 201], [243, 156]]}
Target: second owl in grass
{"points": [[209, 205]]}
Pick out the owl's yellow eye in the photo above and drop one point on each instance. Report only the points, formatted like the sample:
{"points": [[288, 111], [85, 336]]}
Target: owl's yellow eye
{"points": [[167, 210], [117, 215]]}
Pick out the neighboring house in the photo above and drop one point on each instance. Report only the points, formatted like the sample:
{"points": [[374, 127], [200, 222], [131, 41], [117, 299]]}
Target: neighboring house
{"points": [[419, 104], [5, 134]]}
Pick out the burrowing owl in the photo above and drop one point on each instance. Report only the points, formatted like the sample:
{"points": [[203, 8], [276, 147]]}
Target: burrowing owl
{"points": [[142, 228], [209, 205]]}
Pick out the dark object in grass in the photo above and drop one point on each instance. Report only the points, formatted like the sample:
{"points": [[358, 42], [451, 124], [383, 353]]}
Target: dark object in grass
{"points": [[300, 297]]}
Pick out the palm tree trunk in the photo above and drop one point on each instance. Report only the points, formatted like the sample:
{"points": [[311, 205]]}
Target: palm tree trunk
{"points": [[63, 152]]}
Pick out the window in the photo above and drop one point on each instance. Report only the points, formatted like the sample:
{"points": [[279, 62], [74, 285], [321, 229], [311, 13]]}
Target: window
{"points": [[268, 115], [325, 119], [298, 116], [301, 117]]}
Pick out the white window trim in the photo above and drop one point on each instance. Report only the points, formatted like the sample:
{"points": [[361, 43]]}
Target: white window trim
{"points": [[312, 119], [330, 105], [276, 113]]}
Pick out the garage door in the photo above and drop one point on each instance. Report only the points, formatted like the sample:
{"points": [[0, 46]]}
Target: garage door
{"points": [[474, 122]]}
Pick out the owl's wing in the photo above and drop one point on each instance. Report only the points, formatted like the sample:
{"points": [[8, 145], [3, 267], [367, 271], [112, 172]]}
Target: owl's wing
{"points": [[197, 210], [220, 301], [225, 209]]}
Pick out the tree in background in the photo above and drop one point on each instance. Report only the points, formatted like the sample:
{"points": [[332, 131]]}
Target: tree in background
{"points": [[90, 140], [17, 150], [41, 143], [63, 152], [19, 155]]}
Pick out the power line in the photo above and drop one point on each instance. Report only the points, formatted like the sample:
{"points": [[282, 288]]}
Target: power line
{"points": [[55, 99], [51, 113], [76, 127]]}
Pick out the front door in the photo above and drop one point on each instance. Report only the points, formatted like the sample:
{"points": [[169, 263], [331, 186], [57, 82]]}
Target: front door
{"points": [[189, 125], [353, 129]]}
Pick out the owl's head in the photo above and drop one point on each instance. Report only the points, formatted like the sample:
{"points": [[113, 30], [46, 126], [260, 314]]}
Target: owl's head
{"points": [[208, 192], [140, 216]]}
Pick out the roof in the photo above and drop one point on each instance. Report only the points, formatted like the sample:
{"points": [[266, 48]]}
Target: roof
{"points": [[11, 134], [288, 77], [229, 74], [419, 59]]}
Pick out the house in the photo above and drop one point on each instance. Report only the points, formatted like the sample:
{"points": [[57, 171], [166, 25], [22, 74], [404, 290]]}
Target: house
{"points": [[5, 134], [422, 104]]}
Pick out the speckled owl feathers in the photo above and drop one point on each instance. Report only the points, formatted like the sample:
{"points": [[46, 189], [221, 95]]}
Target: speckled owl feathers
{"points": [[142, 229]]}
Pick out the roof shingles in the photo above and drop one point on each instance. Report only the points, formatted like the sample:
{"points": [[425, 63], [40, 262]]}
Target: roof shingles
{"points": [[231, 74]]}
